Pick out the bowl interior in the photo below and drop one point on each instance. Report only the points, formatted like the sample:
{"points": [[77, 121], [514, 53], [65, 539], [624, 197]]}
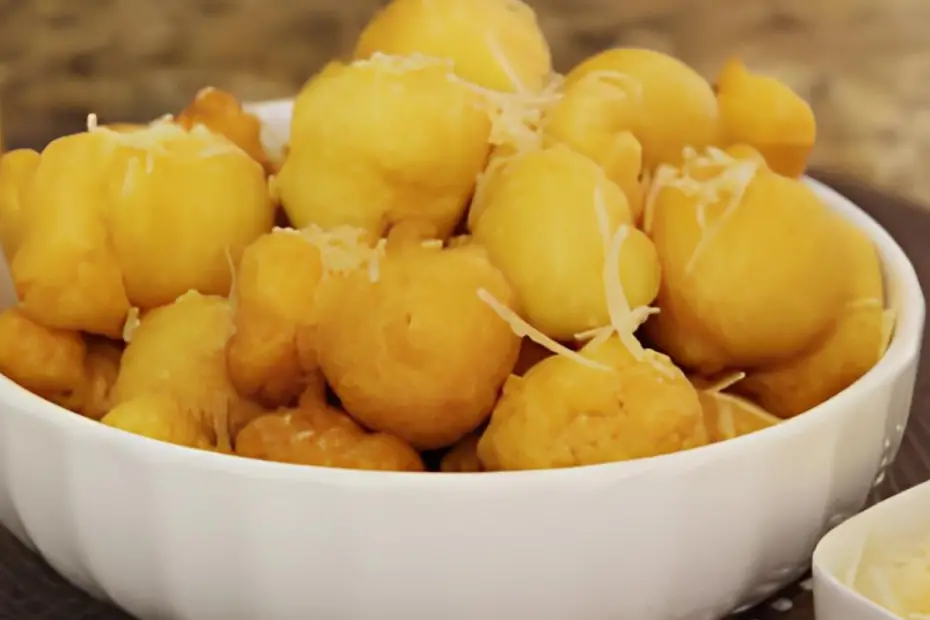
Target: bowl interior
{"points": [[903, 293]]}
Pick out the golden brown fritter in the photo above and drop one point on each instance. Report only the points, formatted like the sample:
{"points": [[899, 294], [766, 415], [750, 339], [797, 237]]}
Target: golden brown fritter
{"points": [[417, 353], [383, 140], [563, 413]]}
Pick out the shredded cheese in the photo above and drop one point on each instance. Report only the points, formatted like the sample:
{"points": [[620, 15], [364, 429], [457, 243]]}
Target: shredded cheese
{"points": [[624, 320], [131, 325], [504, 63], [515, 117], [726, 420], [524, 330], [233, 289], [726, 382], [157, 135], [730, 178], [343, 249]]}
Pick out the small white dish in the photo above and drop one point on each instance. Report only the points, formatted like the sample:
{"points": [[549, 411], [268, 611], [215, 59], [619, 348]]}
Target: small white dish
{"points": [[896, 522]]}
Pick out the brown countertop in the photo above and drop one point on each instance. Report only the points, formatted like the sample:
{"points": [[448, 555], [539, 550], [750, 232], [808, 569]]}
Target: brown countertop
{"points": [[863, 64]]}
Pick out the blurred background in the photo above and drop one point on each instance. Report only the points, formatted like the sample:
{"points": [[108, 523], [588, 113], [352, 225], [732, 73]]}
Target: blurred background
{"points": [[863, 64]]}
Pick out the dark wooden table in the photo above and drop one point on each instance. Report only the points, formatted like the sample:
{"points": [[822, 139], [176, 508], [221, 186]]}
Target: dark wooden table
{"points": [[30, 590]]}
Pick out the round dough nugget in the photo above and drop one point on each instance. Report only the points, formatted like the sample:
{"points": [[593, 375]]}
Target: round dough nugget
{"points": [[462, 458], [16, 171], [593, 118], [46, 361], [547, 219], [180, 350], [160, 417], [417, 353], [670, 106], [383, 140], [564, 413], [138, 218], [856, 342], [750, 272], [324, 437], [275, 298], [494, 43], [768, 115]]}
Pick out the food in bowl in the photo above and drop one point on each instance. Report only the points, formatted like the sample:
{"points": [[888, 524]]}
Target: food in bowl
{"points": [[525, 273]]}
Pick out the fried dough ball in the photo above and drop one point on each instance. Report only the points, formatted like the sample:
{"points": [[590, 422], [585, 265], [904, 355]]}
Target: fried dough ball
{"points": [[276, 293], [727, 416], [417, 353], [564, 413], [383, 140], [135, 219], [496, 44], [160, 417], [16, 171], [324, 437], [592, 118], [669, 105], [750, 274], [180, 350], [221, 112], [462, 458], [101, 367], [855, 343], [66, 271], [540, 221], [46, 361], [765, 113], [58, 365]]}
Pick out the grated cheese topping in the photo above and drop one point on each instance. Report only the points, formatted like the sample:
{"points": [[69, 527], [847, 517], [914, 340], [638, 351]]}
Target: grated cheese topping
{"points": [[131, 325], [516, 117], [524, 330], [624, 320], [730, 180], [725, 382], [153, 138], [343, 249]]}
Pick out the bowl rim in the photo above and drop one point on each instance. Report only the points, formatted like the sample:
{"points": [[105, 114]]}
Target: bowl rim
{"points": [[903, 350]]}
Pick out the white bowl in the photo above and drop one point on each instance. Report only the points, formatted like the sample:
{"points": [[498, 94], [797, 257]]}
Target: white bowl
{"points": [[896, 523], [166, 532]]}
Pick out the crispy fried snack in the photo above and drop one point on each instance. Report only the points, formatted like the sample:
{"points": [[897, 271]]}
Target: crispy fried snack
{"points": [[222, 113], [766, 114], [548, 219], [180, 350], [324, 437], [160, 417], [750, 272], [47, 362], [564, 413], [668, 106], [275, 298], [496, 44], [855, 343], [58, 365], [383, 140], [462, 458], [16, 171], [122, 219], [417, 353], [593, 117]]}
